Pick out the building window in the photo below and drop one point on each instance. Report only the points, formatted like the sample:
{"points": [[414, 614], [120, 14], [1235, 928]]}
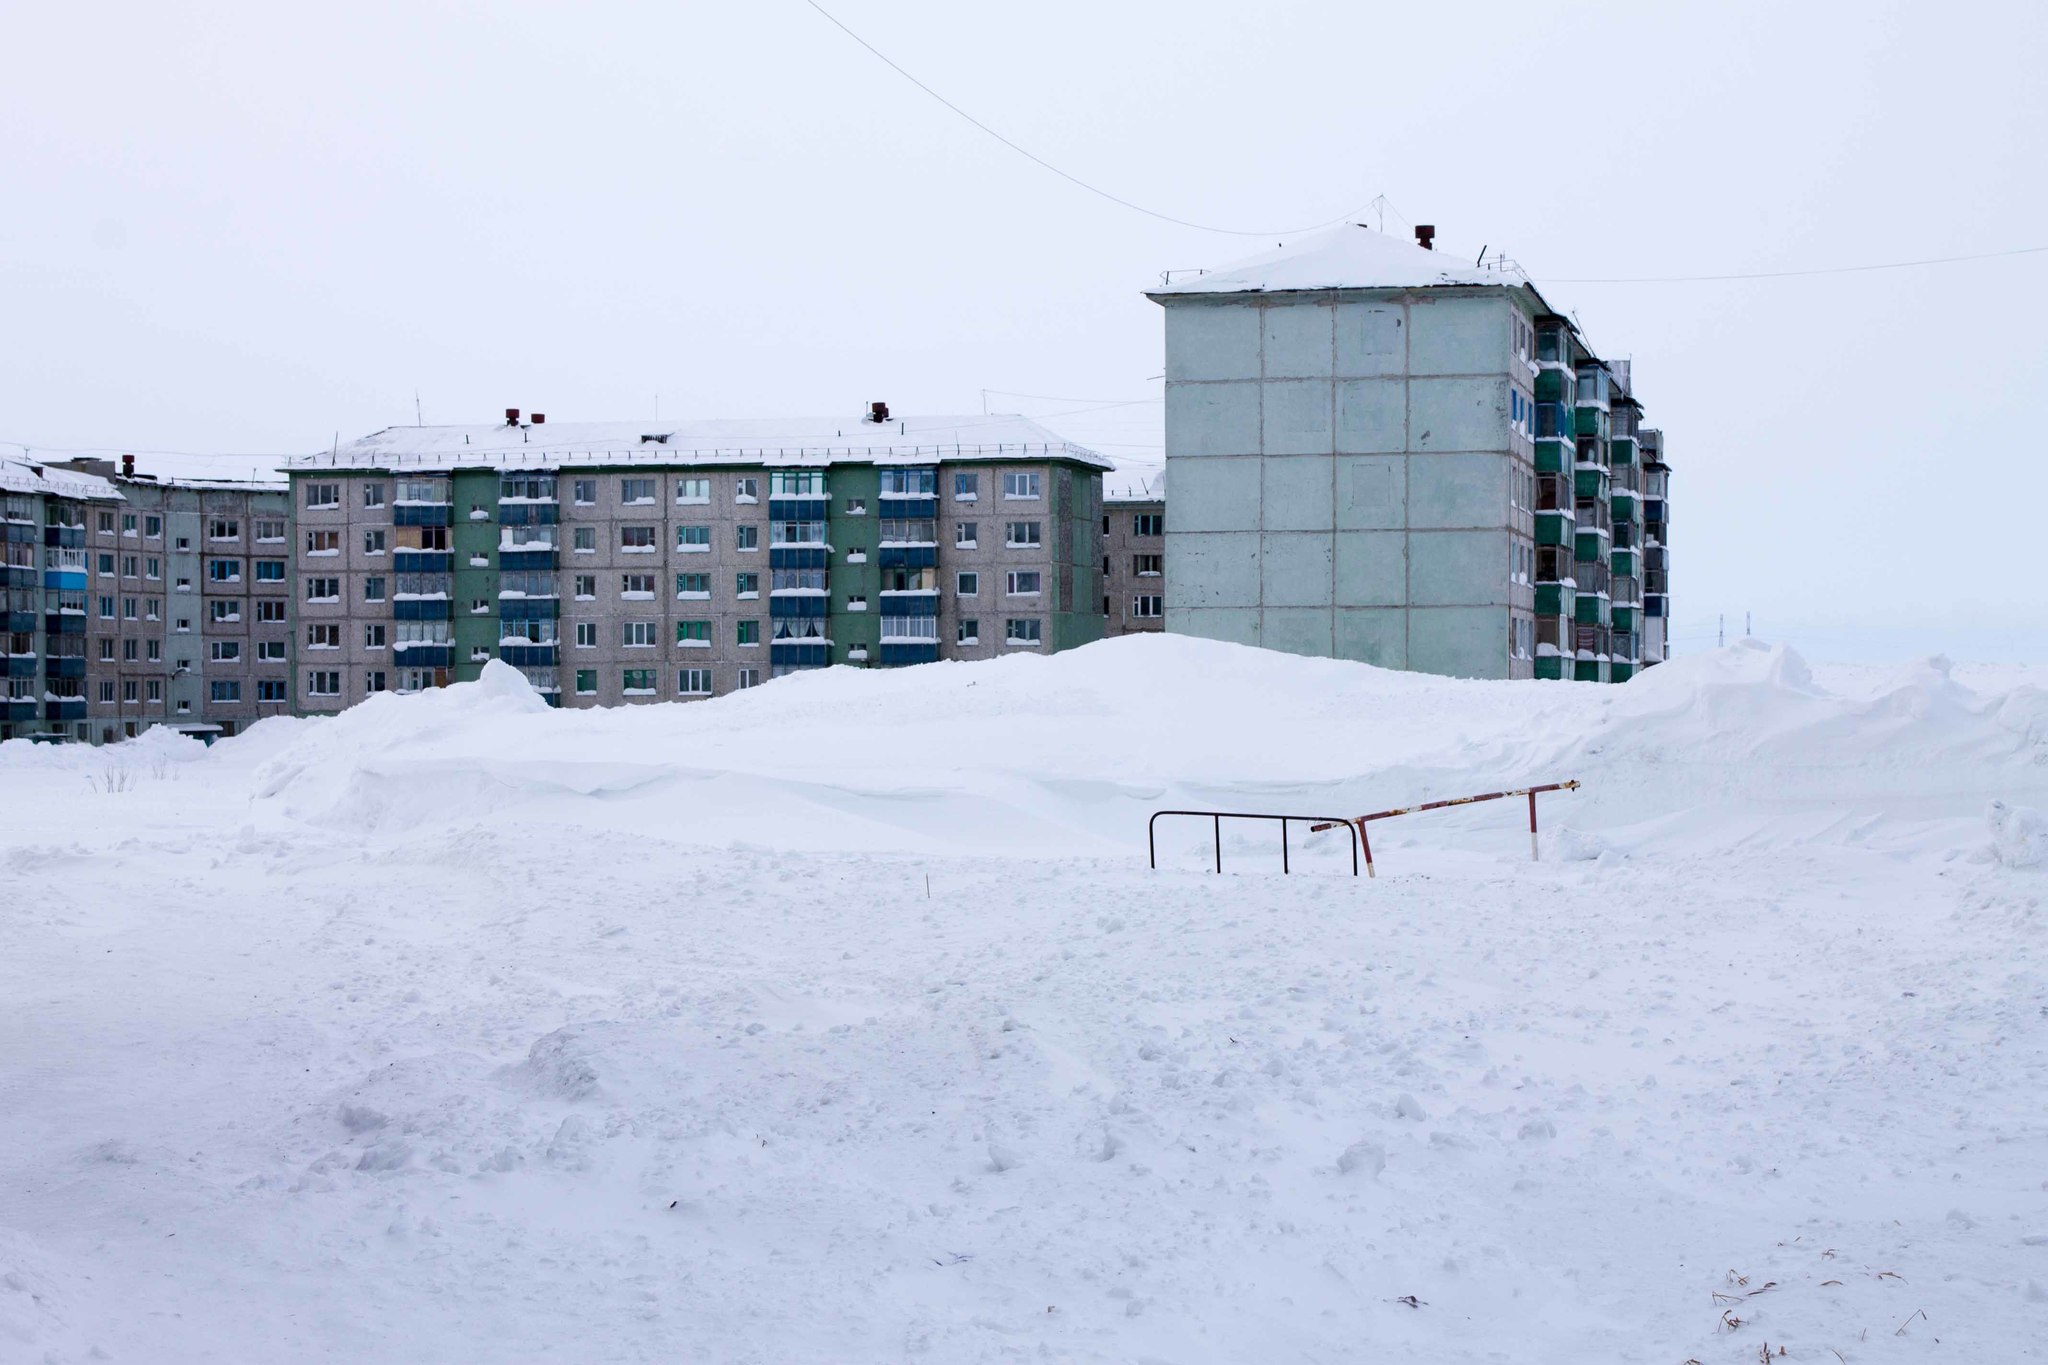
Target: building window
{"points": [[1148, 607], [586, 587], [224, 528], [373, 635], [1021, 632], [225, 651], [153, 527], [373, 588], [1022, 583], [323, 495], [693, 490], [323, 683], [131, 690], [373, 542], [691, 586], [636, 492], [129, 650], [107, 687], [224, 570], [747, 677], [693, 539], [106, 609], [229, 610], [270, 571], [746, 537], [271, 610], [747, 585], [637, 682], [479, 606], [746, 489], [107, 526], [154, 567], [695, 634], [323, 542], [966, 487], [106, 647], [584, 493], [636, 540], [586, 682], [968, 632], [323, 636], [183, 585], [856, 507], [184, 626], [154, 692], [269, 532], [966, 584], [270, 689], [152, 608], [586, 635], [749, 632], [1020, 484], [796, 533], [1148, 566], [225, 689], [270, 651], [583, 540], [797, 483], [964, 535], [106, 564], [373, 495], [637, 634], [1148, 524], [129, 613], [694, 682], [1022, 535], [127, 523]]}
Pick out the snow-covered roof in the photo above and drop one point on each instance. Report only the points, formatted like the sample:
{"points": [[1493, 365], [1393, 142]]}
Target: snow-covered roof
{"points": [[22, 476], [1351, 256], [1135, 483], [757, 440]]}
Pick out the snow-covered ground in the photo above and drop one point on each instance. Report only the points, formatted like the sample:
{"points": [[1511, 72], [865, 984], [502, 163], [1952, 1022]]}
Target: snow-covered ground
{"points": [[841, 1020]]}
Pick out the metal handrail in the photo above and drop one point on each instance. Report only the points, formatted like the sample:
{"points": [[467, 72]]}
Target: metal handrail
{"points": [[1535, 852], [1315, 822]]}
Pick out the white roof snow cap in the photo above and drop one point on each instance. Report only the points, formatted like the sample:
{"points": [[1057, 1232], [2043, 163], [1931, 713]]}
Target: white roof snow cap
{"points": [[738, 441], [1351, 256], [20, 476]]}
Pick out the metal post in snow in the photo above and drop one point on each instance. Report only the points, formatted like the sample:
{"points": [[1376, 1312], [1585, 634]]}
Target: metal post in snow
{"points": [[1219, 845], [1535, 853]]}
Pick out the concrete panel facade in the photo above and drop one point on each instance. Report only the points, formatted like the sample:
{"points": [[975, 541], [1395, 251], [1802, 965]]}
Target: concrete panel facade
{"points": [[1350, 472]]}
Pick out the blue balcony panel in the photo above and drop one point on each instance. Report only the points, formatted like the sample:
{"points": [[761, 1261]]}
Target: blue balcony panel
{"points": [[528, 608], [798, 509], [18, 666], [805, 604], [65, 537], [436, 610], [511, 560], [64, 580], [422, 656], [800, 653], [56, 623], [69, 708], [437, 515], [422, 561], [528, 656], [787, 557], [896, 655], [70, 666], [907, 556], [18, 622]]}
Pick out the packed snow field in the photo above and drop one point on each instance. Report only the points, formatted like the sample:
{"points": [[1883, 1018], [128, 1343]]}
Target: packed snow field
{"points": [[841, 1020]]}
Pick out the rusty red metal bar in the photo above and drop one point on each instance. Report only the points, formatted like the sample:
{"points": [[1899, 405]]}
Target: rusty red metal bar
{"points": [[1535, 851]]}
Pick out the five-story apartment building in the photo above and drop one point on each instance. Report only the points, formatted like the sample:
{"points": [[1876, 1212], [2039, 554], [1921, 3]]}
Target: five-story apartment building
{"points": [[616, 564]]}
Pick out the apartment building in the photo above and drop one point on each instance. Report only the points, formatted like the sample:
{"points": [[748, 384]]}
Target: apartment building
{"points": [[1378, 453], [188, 603], [617, 563], [1134, 553], [44, 590]]}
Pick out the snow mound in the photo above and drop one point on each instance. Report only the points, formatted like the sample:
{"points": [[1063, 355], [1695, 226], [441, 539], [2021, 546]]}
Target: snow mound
{"points": [[2019, 834], [1070, 753]]}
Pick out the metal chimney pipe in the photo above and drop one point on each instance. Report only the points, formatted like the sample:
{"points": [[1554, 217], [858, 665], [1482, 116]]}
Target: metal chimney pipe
{"points": [[1425, 236]]}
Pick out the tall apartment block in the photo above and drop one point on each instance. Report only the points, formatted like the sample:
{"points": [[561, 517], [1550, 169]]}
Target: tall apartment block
{"points": [[1370, 459], [1134, 554], [660, 561], [44, 512]]}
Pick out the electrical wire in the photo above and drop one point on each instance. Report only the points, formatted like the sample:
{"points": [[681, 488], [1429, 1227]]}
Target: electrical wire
{"points": [[1041, 161]]}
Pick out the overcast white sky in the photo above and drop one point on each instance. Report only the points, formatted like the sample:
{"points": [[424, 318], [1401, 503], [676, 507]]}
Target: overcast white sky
{"points": [[245, 228]]}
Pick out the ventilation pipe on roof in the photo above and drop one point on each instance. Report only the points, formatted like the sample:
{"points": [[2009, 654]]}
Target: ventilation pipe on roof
{"points": [[538, 418], [878, 412], [127, 466], [511, 417], [1425, 236]]}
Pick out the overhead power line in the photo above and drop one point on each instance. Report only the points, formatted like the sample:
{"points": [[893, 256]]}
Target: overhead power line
{"points": [[1064, 175]]}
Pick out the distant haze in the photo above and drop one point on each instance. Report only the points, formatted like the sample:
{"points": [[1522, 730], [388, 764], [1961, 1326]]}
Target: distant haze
{"points": [[244, 228]]}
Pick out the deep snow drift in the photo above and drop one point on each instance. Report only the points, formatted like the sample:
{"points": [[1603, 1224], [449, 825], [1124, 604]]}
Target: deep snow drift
{"points": [[841, 1020]]}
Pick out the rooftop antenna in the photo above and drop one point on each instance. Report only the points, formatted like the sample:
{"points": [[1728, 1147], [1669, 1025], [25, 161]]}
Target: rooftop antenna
{"points": [[417, 420]]}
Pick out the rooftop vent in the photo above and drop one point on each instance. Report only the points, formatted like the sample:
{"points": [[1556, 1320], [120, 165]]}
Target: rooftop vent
{"points": [[538, 418], [1425, 236], [127, 466], [878, 412], [659, 438], [511, 417]]}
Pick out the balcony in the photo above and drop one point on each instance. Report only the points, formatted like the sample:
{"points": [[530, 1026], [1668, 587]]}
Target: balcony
{"points": [[72, 666], [422, 654], [1592, 578], [63, 708], [421, 514], [17, 708], [1592, 516], [524, 654], [1625, 590], [18, 665], [1625, 505]]}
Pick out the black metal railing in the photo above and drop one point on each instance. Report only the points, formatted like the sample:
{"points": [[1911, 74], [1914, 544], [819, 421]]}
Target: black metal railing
{"points": [[1217, 817]]}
